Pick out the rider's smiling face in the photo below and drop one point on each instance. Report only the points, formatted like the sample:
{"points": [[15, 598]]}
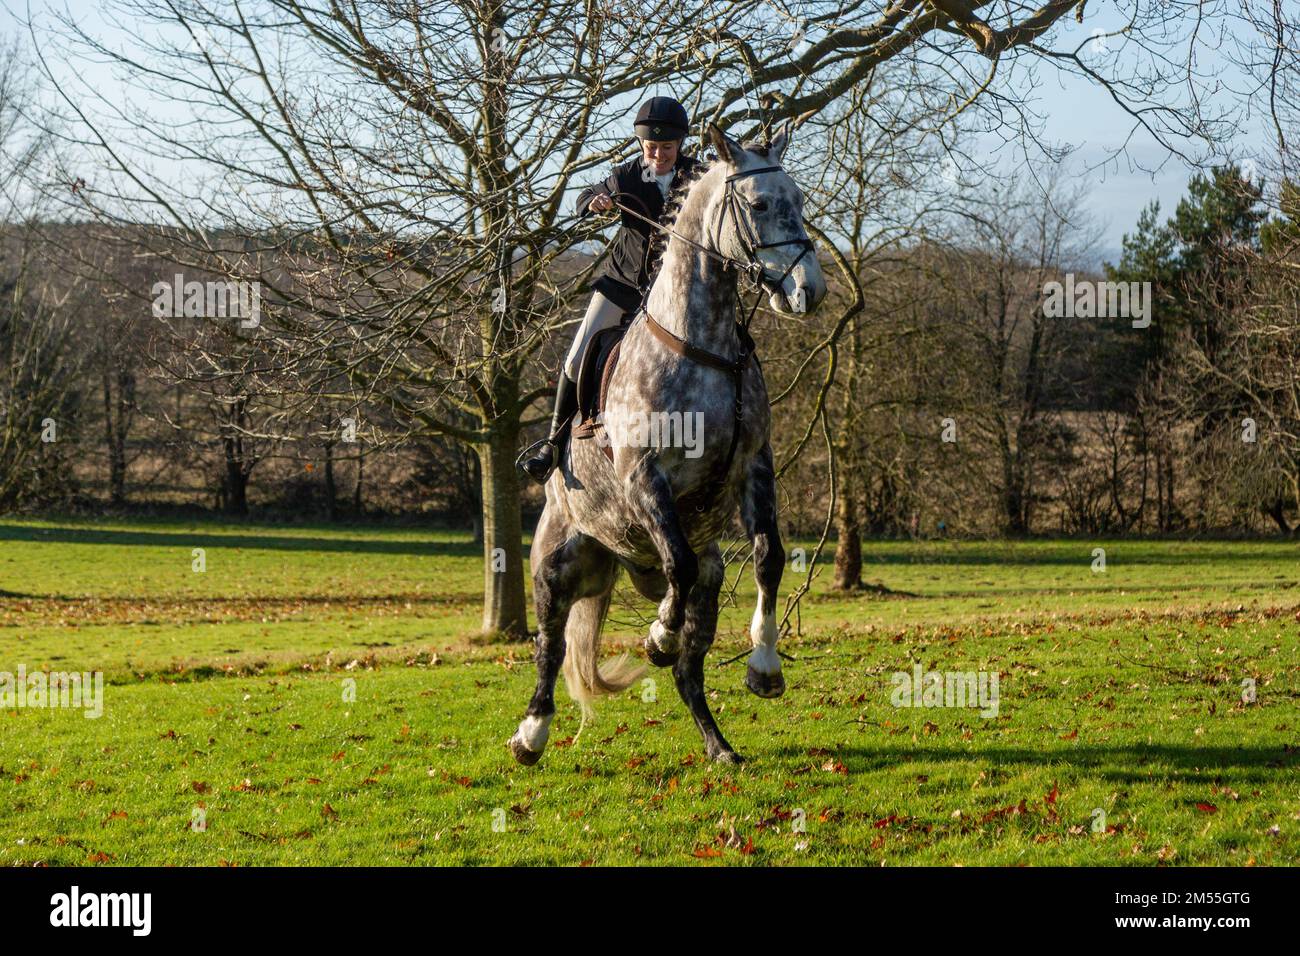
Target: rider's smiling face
{"points": [[661, 155]]}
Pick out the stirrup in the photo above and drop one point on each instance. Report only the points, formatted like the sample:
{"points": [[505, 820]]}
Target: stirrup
{"points": [[528, 453]]}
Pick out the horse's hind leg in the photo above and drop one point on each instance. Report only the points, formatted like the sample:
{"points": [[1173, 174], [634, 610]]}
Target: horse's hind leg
{"points": [[697, 637], [758, 510], [566, 568]]}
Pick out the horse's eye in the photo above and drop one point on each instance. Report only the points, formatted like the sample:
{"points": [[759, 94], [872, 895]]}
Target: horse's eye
{"points": [[760, 206]]}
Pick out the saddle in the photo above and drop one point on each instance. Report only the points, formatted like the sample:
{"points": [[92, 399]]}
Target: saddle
{"points": [[594, 374]]}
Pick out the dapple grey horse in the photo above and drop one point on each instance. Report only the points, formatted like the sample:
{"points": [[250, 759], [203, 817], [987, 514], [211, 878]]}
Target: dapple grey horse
{"points": [[657, 510]]}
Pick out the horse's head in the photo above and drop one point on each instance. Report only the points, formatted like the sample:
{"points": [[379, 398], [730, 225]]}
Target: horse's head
{"points": [[758, 217]]}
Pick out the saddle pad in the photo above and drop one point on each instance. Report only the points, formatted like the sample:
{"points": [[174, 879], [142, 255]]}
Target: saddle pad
{"points": [[597, 364]]}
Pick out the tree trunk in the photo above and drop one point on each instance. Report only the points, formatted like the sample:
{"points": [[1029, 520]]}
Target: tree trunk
{"points": [[116, 426], [356, 492], [331, 490], [504, 607], [848, 546], [236, 482]]}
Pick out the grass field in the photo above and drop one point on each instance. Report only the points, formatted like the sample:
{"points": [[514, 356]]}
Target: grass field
{"points": [[1121, 738]]}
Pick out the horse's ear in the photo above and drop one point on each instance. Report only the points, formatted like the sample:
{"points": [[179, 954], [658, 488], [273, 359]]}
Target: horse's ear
{"points": [[726, 147], [776, 152]]}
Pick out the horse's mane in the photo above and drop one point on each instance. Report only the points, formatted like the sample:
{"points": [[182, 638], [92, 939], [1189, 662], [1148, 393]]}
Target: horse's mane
{"points": [[677, 196], [678, 193]]}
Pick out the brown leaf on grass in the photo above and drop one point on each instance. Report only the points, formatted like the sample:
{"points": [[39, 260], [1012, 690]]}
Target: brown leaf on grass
{"points": [[777, 816], [748, 848], [1071, 735], [886, 821], [566, 742], [1011, 811], [100, 857], [1207, 808], [329, 813], [115, 815], [338, 756], [651, 722], [1052, 795], [706, 852], [170, 735], [198, 786], [834, 766], [86, 786]]}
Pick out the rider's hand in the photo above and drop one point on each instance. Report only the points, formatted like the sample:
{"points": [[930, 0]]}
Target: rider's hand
{"points": [[600, 203]]}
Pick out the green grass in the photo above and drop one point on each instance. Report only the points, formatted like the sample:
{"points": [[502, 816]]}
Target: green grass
{"points": [[1119, 691]]}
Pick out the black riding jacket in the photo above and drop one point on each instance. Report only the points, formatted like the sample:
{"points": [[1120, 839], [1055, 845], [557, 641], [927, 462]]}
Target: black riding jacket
{"points": [[623, 279]]}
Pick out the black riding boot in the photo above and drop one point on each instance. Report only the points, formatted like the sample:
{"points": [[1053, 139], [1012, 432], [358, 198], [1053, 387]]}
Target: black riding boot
{"points": [[540, 466]]}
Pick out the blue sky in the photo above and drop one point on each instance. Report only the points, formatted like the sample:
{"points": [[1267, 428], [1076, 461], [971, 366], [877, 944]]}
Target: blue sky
{"points": [[1077, 113]]}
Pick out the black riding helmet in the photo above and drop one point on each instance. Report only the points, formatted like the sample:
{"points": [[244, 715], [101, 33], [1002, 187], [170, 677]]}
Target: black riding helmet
{"points": [[661, 118]]}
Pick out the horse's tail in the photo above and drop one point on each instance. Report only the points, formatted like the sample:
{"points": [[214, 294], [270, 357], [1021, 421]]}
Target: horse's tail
{"points": [[585, 678]]}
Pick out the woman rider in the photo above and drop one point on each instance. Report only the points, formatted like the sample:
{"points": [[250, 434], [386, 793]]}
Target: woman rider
{"points": [[661, 125]]}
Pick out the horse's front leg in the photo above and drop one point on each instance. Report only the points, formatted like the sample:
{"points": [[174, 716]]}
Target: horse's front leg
{"points": [[758, 510], [697, 637], [651, 495]]}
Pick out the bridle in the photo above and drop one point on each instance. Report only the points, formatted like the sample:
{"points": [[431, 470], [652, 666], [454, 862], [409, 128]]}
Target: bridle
{"points": [[749, 239]]}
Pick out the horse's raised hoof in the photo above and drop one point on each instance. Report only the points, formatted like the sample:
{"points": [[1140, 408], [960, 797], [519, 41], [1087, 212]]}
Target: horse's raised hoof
{"points": [[657, 657], [654, 649], [762, 685], [522, 754]]}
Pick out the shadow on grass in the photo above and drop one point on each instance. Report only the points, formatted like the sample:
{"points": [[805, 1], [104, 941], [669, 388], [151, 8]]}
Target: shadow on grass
{"points": [[1135, 764], [250, 540]]}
